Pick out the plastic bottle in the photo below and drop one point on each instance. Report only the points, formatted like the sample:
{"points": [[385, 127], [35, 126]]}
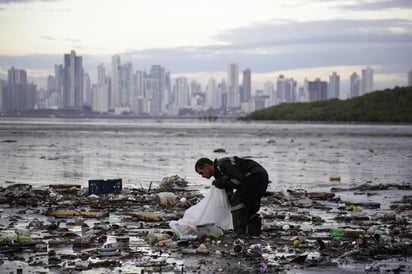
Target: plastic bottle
{"points": [[255, 246], [187, 236]]}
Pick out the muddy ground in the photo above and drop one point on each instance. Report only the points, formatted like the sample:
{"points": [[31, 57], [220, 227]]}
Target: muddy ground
{"points": [[365, 228]]}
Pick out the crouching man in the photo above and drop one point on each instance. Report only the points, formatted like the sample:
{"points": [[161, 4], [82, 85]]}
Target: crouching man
{"points": [[246, 182]]}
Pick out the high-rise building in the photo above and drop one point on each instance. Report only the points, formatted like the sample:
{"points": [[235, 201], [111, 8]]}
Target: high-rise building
{"points": [[31, 96], [73, 81], [87, 90], [58, 94], [195, 88], [290, 95], [410, 78], [157, 89], [334, 86], [222, 94], [301, 94], [367, 80], [17, 80], [211, 94], [125, 82], [317, 90], [246, 92], [100, 97], [233, 95], [354, 85], [285, 90], [247, 85], [280, 90], [51, 84], [306, 90], [181, 93], [259, 100], [269, 90], [2, 107], [138, 97], [114, 98], [167, 94]]}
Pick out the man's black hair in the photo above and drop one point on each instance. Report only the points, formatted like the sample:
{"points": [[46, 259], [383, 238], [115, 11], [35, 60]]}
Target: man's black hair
{"points": [[201, 162]]}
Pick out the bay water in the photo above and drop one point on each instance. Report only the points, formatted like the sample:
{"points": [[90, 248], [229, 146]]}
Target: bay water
{"points": [[43, 151]]}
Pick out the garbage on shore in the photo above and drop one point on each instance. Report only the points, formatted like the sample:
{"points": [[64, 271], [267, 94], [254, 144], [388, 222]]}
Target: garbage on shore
{"points": [[67, 228]]}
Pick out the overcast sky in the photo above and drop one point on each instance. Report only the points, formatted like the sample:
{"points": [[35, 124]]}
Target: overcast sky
{"points": [[199, 38]]}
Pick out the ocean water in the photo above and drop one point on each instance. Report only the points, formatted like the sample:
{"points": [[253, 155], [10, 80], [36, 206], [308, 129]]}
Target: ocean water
{"points": [[45, 151]]}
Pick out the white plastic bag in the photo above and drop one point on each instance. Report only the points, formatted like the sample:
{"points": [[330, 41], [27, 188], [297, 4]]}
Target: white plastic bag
{"points": [[214, 208]]}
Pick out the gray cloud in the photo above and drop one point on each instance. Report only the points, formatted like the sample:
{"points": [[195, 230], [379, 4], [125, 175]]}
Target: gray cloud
{"points": [[34, 61], [48, 38], [293, 45], [315, 32], [266, 48], [379, 5], [25, 1], [73, 40]]}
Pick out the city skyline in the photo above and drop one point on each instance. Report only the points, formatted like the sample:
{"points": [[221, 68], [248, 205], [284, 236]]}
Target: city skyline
{"points": [[157, 93], [197, 39]]}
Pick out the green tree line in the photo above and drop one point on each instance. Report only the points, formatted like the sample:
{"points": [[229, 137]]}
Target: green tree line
{"points": [[389, 105]]}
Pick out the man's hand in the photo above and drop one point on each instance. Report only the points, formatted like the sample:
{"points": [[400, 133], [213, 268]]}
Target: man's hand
{"points": [[222, 182], [219, 184]]}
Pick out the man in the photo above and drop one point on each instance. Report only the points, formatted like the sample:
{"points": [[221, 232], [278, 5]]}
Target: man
{"points": [[247, 180]]}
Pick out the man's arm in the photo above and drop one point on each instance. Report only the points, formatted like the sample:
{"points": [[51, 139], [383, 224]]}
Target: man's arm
{"points": [[235, 177]]}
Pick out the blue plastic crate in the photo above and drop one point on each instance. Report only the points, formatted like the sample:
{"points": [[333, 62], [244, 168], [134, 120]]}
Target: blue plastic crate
{"points": [[100, 187]]}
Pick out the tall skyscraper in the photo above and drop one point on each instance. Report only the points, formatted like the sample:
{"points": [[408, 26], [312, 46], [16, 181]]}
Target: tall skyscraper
{"points": [[114, 99], [290, 95], [280, 90], [59, 76], [334, 86], [222, 94], [157, 89], [317, 90], [354, 85], [269, 90], [2, 107], [410, 78], [301, 94], [233, 95], [181, 92], [87, 90], [211, 94], [285, 90], [17, 80], [167, 94], [73, 81], [100, 98], [51, 85], [247, 85], [125, 82], [367, 80], [306, 90], [138, 96], [259, 100]]}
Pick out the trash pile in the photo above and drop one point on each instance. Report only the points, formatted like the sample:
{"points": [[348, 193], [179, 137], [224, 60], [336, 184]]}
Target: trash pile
{"points": [[67, 229]]}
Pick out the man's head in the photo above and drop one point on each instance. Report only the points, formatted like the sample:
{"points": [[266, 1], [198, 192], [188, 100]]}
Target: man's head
{"points": [[205, 168]]}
